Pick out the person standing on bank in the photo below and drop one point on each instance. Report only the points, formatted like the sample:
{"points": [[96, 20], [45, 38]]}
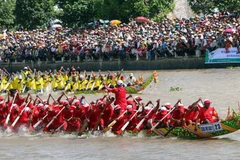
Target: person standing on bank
{"points": [[120, 94]]}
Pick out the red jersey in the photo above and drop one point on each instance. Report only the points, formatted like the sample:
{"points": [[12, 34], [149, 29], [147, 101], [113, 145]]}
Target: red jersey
{"points": [[208, 114], [120, 95], [107, 114], [192, 116]]}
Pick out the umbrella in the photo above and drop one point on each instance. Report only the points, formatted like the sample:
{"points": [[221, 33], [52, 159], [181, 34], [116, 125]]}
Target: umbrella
{"points": [[56, 21], [115, 22], [230, 30], [103, 21], [56, 26], [141, 19]]}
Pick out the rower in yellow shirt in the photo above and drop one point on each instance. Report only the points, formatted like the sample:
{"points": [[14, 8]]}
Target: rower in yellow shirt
{"points": [[82, 82]]}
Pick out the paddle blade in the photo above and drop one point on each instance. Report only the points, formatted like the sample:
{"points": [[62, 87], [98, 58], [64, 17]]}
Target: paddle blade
{"points": [[11, 128], [119, 132], [135, 130], [149, 131], [5, 126], [31, 129], [106, 129]]}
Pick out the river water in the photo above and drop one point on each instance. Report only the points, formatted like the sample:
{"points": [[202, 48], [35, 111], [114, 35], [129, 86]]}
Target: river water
{"points": [[221, 86]]}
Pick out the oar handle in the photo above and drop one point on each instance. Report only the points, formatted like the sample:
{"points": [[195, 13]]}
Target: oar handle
{"points": [[162, 119], [18, 117], [141, 122], [54, 118], [8, 116], [35, 125]]}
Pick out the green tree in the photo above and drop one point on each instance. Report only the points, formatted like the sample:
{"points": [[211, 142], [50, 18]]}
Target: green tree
{"points": [[206, 6], [74, 13], [123, 9], [6, 11], [33, 13]]}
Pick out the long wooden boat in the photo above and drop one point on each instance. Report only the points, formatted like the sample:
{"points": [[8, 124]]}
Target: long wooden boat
{"points": [[203, 131], [189, 132], [130, 89]]}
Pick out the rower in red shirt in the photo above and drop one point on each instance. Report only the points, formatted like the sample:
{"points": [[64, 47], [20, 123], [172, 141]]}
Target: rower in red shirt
{"points": [[136, 102], [67, 115], [208, 114], [192, 113], [78, 113], [3, 112], [108, 112], [178, 116], [130, 113], [162, 112], [120, 94], [120, 120], [95, 113]]}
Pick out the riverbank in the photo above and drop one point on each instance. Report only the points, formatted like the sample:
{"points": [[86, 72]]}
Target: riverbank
{"points": [[160, 64]]}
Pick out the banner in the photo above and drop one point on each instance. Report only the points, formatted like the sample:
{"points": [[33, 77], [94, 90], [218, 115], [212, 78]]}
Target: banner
{"points": [[220, 56]]}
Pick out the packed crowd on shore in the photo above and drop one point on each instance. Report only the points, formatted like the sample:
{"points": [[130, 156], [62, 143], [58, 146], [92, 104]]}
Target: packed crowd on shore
{"points": [[167, 38]]}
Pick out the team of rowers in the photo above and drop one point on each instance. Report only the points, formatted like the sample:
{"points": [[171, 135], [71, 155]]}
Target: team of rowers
{"points": [[119, 113], [67, 80]]}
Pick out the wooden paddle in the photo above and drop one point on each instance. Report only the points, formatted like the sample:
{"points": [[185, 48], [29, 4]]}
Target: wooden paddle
{"points": [[18, 117], [150, 130], [55, 117], [9, 113], [141, 122], [113, 123], [85, 124], [58, 129], [39, 122], [126, 124]]}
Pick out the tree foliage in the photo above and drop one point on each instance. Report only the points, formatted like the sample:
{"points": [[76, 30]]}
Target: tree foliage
{"points": [[123, 9], [75, 12], [33, 13], [6, 11], [206, 6]]}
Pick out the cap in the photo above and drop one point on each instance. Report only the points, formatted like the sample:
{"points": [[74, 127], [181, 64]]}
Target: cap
{"points": [[76, 103], [40, 105], [27, 109], [180, 105], [100, 103], [25, 68], [163, 109], [46, 106], [147, 108], [207, 101], [167, 105], [131, 74], [119, 82], [117, 107], [138, 98]]}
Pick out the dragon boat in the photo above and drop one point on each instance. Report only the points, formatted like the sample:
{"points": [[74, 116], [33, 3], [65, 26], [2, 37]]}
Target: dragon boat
{"points": [[189, 132], [203, 131], [130, 89]]}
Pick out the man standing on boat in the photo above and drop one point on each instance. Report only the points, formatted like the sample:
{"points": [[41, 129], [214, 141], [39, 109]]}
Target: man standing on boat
{"points": [[120, 94]]}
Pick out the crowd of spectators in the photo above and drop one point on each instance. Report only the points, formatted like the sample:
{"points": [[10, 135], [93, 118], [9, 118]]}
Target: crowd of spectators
{"points": [[150, 40]]}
